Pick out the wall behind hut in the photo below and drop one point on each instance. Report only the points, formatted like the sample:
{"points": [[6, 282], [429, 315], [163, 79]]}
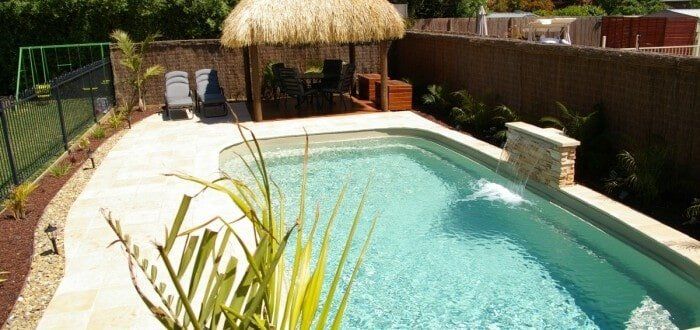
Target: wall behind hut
{"points": [[644, 95], [192, 55]]}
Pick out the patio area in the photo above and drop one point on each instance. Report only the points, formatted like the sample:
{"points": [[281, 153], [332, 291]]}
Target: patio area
{"points": [[353, 105]]}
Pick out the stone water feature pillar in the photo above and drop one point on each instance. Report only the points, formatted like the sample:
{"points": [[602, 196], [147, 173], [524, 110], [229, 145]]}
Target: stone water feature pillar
{"points": [[544, 155]]}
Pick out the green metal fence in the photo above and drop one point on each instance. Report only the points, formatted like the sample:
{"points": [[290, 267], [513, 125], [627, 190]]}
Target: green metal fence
{"points": [[38, 126], [37, 65]]}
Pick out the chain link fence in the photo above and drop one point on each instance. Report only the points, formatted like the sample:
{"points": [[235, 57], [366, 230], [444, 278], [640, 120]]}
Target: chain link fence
{"points": [[38, 126]]}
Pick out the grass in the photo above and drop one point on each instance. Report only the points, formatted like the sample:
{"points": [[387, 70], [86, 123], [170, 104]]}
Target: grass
{"points": [[36, 135]]}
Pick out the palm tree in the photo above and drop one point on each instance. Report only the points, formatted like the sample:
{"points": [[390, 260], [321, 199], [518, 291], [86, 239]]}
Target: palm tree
{"points": [[132, 60]]}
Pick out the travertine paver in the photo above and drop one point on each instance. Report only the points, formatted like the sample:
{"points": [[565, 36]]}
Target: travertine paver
{"points": [[96, 291]]}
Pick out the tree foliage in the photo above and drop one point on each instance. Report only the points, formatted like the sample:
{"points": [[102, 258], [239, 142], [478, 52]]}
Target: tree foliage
{"points": [[47, 22], [574, 10], [631, 7], [444, 8]]}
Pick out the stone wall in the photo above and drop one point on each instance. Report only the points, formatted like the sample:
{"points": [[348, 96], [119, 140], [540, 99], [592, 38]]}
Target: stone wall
{"points": [[645, 97], [543, 155], [192, 55]]}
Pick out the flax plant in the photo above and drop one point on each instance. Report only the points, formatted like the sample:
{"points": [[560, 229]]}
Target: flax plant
{"points": [[206, 287], [18, 199]]}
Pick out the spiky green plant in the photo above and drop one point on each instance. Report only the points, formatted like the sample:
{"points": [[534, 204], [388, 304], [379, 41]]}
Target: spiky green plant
{"points": [[98, 132], [60, 169], [2, 276], [644, 173], [83, 143], [133, 61], [483, 121], [117, 119], [206, 287], [18, 199]]}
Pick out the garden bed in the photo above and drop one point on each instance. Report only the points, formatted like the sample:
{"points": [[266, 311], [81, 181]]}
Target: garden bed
{"points": [[17, 242]]}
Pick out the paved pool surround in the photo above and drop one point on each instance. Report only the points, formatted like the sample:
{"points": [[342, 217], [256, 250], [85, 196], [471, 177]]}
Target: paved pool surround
{"points": [[96, 291]]}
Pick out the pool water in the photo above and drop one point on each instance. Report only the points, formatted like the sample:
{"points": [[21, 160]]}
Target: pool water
{"points": [[457, 246]]}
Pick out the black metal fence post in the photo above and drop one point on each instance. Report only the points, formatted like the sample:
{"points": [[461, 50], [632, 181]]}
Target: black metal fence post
{"points": [[56, 92], [8, 146]]}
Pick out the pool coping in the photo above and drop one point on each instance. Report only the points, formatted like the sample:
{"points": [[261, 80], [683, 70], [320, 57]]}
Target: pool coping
{"points": [[672, 248]]}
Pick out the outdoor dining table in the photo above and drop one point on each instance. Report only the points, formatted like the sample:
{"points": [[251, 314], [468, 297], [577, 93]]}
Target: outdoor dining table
{"points": [[312, 76]]}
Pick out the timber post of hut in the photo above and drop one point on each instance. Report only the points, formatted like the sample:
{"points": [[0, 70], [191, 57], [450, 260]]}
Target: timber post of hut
{"points": [[313, 22]]}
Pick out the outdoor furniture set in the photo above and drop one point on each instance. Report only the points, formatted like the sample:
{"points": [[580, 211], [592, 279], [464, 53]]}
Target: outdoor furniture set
{"points": [[335, 78]]}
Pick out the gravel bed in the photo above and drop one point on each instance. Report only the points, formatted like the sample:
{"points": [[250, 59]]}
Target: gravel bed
{"points": [[47, 268]]}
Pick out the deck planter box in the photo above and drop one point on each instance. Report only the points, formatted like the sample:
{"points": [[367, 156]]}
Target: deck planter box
{"points": [[400, 95], [365, 85]]}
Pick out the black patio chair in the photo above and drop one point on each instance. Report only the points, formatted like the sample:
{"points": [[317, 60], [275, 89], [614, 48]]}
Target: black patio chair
{"points": [[332, 70], [342, 87], [292, 86]]}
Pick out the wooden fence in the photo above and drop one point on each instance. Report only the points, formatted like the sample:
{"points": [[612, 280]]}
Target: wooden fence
{"points": [[585, 31]]}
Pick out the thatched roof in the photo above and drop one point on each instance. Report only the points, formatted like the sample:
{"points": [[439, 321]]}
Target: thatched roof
{"points": [[303, 22]]}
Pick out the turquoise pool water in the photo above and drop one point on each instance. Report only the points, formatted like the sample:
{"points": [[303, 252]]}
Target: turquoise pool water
{"points": [[457, 247]]}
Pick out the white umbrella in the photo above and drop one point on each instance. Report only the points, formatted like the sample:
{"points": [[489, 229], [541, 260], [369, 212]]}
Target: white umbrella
{"points": [[482, 28]]}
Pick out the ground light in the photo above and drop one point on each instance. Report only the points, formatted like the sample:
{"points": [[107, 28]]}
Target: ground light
{"points": [[51, 234]]}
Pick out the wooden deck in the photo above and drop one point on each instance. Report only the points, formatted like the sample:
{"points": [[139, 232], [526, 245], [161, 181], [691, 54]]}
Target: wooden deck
{"points": [[273, 111]]}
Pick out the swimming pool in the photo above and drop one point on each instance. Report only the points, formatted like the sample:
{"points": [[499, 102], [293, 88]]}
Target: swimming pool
{"points": [[459, 246]]}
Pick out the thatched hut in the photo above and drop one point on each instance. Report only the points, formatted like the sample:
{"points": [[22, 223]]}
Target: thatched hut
{"points": [[253, 23]]}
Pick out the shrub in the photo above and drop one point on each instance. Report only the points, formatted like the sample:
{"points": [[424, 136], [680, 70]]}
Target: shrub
{"points": [[595, 155], [268, 296], [116, 120], [693, 212], [98, 132], [643, 173], [18, 198], [268, 81], [574, 10], [60, 169], [84, 143], [314, 67], [483, 121], [437, 101]]}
